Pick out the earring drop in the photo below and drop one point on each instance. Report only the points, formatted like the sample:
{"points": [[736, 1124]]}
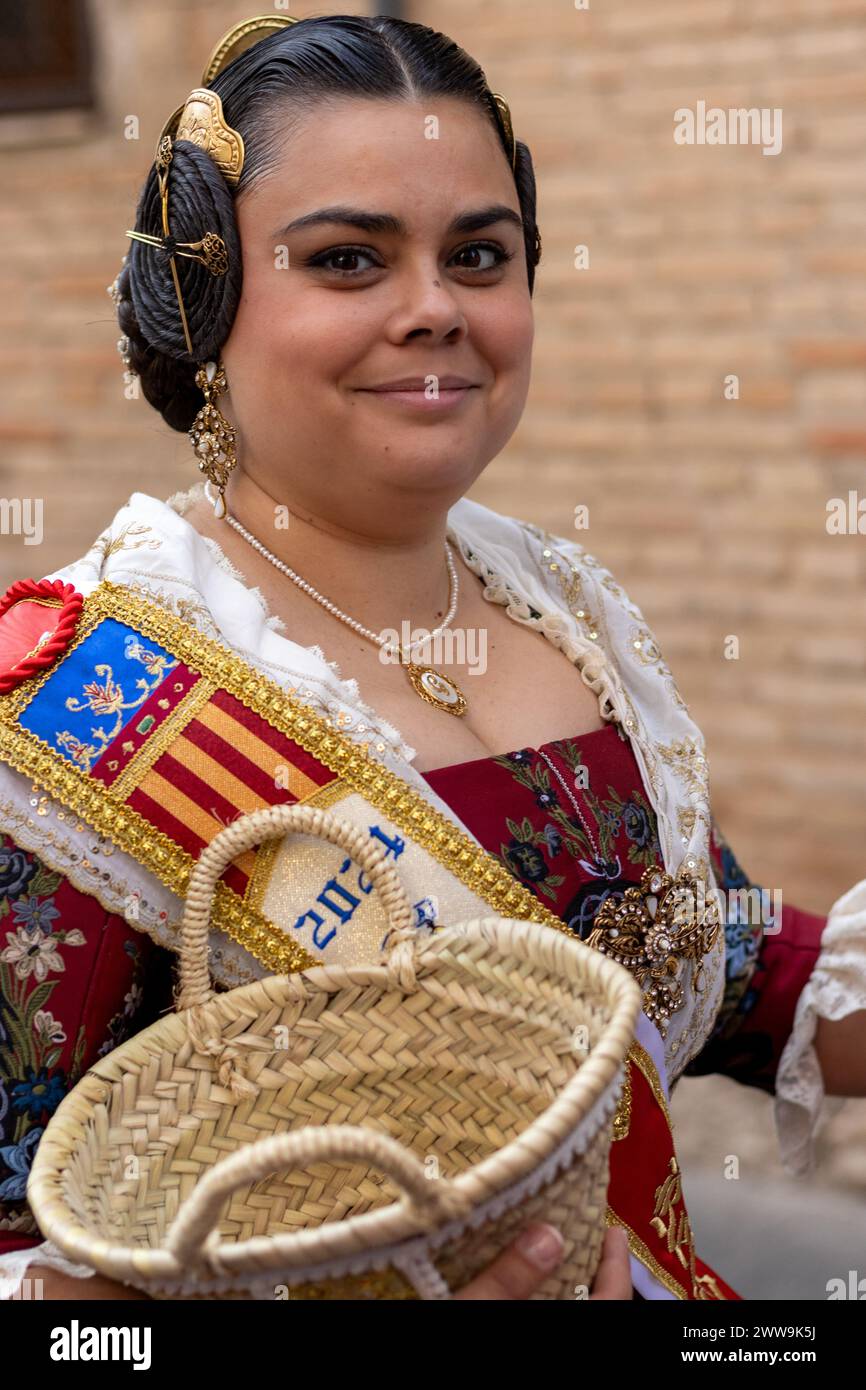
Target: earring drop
{"points": [[212, 436]]}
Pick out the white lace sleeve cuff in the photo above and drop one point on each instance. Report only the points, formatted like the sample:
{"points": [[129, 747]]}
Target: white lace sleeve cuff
{"points": [[14, 1266], [836, 987]]}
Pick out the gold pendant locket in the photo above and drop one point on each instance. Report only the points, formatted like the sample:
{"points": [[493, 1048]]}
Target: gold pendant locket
{"points": [[437, 689]]}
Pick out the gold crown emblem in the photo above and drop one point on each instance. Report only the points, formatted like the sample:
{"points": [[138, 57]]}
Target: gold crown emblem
{"points": [[201, 120]]}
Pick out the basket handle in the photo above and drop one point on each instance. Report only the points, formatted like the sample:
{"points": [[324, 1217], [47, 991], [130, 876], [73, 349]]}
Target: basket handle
{"points": [[267, 824], [193, 1239]]}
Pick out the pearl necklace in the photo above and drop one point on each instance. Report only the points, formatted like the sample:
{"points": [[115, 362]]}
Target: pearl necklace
{"points": [[567, 789], [429, 683]]}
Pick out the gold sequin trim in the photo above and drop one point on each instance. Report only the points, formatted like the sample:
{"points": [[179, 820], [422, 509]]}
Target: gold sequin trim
{"points": [[404, 806], [265, 856], [704, 1286], [128, 830], [622, 1116], [643, 1060], [571, 584]]}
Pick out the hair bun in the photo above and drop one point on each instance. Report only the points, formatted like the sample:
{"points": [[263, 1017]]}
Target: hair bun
{"points": [[199, 201]]}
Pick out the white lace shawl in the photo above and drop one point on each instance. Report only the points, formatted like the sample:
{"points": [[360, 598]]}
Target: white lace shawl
{"points": [[548, 582]]}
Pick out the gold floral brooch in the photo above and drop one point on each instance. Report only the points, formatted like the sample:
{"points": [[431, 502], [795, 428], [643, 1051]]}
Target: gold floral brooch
{"points": [[653, 929]]}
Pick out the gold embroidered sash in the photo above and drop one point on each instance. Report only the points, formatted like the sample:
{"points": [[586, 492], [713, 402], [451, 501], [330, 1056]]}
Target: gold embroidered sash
{"points": [[156, 737]]}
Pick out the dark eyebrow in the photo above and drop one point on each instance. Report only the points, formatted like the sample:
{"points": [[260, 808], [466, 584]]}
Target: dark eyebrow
{"points": [[384, 223]]}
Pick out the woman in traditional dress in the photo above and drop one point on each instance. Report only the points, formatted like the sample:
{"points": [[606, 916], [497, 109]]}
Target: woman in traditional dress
{"points": [[329, 285]]}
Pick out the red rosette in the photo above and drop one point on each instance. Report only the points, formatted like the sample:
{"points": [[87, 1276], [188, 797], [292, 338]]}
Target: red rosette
{"points": [[38, 618]]}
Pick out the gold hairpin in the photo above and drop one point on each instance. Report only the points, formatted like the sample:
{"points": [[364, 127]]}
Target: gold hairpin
{"points": [[211, 248], [201, 121]]}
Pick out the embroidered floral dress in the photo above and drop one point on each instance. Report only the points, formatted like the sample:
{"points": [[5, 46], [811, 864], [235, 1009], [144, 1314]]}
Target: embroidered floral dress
{"points": [[75, 980], [520, 811]]}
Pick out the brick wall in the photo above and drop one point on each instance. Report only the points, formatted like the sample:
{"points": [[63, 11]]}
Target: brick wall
{"points": [[704, 261]]}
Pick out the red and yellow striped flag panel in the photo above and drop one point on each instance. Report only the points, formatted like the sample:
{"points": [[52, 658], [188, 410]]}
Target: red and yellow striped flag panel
{"points": [[225, 761], [168, 742], [155, 736]]}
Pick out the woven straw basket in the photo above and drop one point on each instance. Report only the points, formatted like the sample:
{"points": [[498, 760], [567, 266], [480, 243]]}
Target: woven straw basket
{"points": [[379, 1131]]}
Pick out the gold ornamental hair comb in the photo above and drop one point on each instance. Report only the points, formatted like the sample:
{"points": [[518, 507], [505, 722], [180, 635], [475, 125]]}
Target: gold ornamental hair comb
{"points": [[201, 121], [210, 251]]}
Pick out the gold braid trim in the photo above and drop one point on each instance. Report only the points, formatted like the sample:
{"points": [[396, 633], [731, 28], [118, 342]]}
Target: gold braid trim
{"points": [[168, 731], [644, 1062], [404, 806], [645, 1255], [704, 1286]]}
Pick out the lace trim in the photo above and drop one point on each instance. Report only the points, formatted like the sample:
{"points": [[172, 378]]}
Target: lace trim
{"points": [[84, 865], [836, 988], [329, 693], [222, 561], [14, 1266], [181, 501], [588, 657]]}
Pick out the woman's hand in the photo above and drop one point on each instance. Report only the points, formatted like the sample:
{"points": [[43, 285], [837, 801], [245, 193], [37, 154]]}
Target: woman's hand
{"points": [[515, 1274], [525, 1264]]}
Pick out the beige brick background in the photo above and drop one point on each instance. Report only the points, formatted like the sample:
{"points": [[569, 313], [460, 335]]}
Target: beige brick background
{"points": [[705, 261]]}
